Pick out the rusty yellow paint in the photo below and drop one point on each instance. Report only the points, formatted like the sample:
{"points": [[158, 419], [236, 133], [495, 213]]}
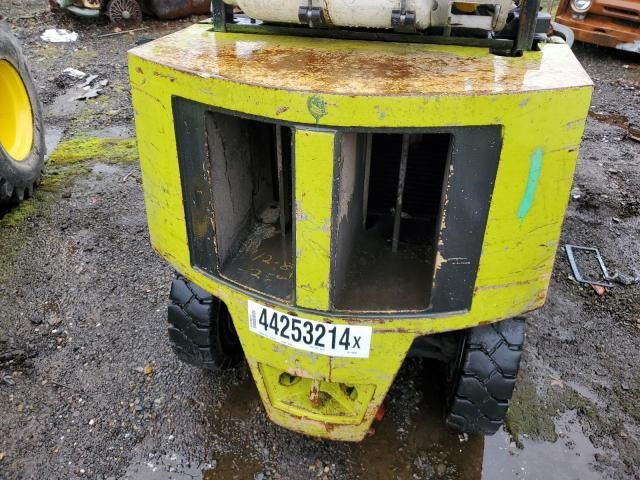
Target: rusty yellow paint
{"points": [[357, 67], [318, 400], [313, 193], [540, 100]]}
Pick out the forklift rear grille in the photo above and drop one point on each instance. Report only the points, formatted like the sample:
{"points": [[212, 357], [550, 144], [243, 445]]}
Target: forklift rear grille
{"points": [[409, 209], [384, 249], [237, 189]]}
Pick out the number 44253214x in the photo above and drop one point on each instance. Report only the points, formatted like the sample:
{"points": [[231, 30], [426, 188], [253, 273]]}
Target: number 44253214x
{"points": [[331, 339]]}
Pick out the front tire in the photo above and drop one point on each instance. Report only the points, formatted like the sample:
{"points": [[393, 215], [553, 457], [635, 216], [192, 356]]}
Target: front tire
{"points": [[22, 146], [484, 375]]}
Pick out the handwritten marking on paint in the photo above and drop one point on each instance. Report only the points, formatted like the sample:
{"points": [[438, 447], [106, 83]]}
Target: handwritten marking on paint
{"points": [[317, 107], [532, 184]]}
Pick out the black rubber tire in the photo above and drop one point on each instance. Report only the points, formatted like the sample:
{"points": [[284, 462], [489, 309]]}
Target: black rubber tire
{"points": [[484, 376], [18, 179], [201, 330]]}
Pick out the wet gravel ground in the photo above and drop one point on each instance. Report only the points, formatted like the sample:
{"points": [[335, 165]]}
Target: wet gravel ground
{"points": [[90, 389]]}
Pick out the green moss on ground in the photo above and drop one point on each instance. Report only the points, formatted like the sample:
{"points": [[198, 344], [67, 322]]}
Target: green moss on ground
{"points": [[533, 415], [81, 149], [69, 160], [11, 218], [529, 414], [16, 215], [66, 162], [629, 401], [58, 177]]}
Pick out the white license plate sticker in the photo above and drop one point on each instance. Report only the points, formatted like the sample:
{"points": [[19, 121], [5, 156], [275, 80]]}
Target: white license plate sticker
{"points": [[325, 338]]}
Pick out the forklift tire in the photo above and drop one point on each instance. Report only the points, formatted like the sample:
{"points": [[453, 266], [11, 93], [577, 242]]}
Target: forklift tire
{"points": [[484, 376], [201, 330], [22, 146]]}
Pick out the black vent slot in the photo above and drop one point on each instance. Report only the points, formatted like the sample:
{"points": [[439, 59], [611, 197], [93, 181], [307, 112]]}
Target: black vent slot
{"points": [[388, 210], [425, 173], [237, 185], [251, 181]]}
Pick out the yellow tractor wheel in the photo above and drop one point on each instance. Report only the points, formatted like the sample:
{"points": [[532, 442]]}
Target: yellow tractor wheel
{"points": [[22, 147]]}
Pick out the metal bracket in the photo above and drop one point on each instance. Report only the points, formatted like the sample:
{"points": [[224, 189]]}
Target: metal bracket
{"points": [[576, 271], [403, 19], [221, 15], [526, 26], [312, 16]]}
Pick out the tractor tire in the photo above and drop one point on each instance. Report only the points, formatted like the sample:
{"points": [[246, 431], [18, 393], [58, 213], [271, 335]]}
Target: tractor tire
{"points": [[484, 375], [201, 330], [22, 147]]}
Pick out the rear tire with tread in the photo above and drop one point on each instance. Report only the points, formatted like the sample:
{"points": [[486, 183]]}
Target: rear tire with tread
{"points": [[484, 376], [19, 178], [201, 330]]}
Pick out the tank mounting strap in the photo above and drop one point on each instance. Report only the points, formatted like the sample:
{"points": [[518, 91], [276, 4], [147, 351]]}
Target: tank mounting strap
{"points": [[262, 29], [312, 16], [403, 20]]}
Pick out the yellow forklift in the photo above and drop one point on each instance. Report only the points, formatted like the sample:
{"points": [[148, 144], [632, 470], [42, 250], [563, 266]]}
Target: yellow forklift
{"points": [[341, 185]]}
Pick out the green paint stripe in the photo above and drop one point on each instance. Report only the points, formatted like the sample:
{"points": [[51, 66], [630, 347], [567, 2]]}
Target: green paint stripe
{"points": [[532, 184]]}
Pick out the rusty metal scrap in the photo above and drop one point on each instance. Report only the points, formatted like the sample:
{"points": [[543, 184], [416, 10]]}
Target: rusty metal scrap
{"points": [[609, 23]]}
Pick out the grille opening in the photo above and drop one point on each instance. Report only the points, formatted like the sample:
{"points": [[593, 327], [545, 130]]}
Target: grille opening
{"points": [[623, 12], [388, 205], [252, 202]]}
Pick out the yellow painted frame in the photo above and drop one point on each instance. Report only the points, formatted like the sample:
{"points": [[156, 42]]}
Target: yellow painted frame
{"points": [[541, 105]]}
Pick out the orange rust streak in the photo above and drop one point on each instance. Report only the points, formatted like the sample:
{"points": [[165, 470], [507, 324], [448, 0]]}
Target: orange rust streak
{"points": [[356, 68]]}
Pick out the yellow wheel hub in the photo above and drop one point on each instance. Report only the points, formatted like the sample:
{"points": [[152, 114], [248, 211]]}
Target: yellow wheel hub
{"points": [[16, 119]]}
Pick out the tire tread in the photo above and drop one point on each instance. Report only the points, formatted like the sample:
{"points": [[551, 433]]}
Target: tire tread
{"points": [[17, 181], [194, 331], [486, 379]]}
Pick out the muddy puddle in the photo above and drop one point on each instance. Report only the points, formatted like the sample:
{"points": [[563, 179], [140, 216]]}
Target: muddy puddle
{"points": [[52, 137], [176, 467], [410, 443], [571, 457]]}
